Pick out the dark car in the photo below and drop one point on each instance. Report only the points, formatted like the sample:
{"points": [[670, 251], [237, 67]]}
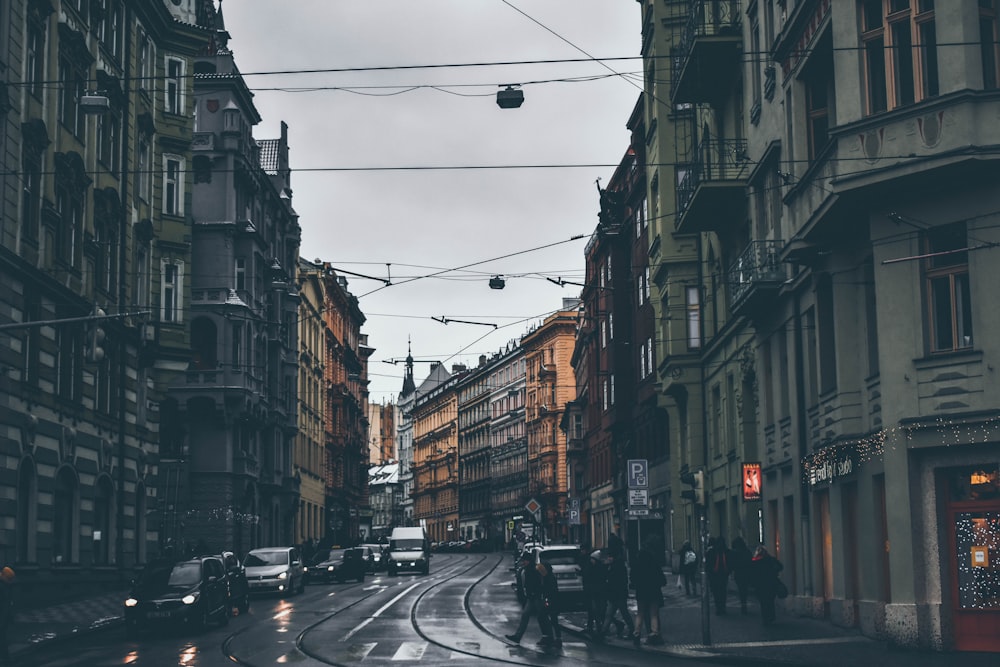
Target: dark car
{"points": [[189, 593], [239, 587], [340, 565]]}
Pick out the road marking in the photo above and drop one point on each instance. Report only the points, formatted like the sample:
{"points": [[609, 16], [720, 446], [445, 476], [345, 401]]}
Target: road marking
{"points": [[790, 642], [378, 613], [410, 651]]}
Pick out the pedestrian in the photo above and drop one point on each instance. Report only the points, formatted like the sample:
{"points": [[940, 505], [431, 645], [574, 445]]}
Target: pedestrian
{"points": [[739, 563], [717, 565], [594, 582], [764, 569], [6, 610], [689, 569], [648, 581], [616, 592], [550, 600], [616, 546], [533, 603]]}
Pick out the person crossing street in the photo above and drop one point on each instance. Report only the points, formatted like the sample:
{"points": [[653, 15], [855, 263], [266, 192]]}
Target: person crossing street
{"points": [[534, 603]]}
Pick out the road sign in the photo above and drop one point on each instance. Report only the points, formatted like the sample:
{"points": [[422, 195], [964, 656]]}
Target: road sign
{"points": [[638, 512], [533, 506], [638, 473], [574, 503], [638, 497], [574, 517], [510, 525]]}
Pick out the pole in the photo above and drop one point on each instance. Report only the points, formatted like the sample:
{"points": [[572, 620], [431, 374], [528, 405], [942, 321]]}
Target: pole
{"points": [[706, 616]]}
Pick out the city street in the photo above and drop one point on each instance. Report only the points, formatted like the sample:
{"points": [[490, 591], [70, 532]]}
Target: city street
{"points": [[457, 615]]}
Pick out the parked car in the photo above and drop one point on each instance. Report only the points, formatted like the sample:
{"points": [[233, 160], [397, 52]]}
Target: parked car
{"points": [[340, 565], [376, 558], [239, 587], [275, 570], [564, 562], [190, 593]]}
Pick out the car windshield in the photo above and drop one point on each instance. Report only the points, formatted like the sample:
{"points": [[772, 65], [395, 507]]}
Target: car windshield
{"points": [[406, 545], [336, 554], [258, 558], [560, 557], [185, 574], [353, 554]]}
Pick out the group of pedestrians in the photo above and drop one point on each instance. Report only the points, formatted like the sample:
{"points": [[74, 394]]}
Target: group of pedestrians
{"points": [[607, 582], [757, 571]]}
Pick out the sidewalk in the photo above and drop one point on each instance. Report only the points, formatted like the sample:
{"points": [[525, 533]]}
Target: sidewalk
{"points": [[33, 627], [792, 640]]}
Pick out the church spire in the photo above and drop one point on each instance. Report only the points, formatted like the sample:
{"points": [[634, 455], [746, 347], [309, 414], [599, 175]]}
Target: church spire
{"points": [[408, 385]]}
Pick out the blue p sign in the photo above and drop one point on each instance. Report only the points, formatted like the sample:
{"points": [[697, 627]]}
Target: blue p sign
{"points": [[638, 473]]}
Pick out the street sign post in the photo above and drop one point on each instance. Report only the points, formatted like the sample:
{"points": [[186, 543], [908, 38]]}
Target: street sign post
{"points": [[638, 473]]}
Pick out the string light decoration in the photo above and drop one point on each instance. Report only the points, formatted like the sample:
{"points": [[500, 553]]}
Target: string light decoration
{"points": [[977, 534], [226, 514]]}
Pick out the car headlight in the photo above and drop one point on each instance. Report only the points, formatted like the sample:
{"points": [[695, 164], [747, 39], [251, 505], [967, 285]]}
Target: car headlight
{"points": [[283, 575], [190, 598], [131, 602], [304, 570], [330, 568]]}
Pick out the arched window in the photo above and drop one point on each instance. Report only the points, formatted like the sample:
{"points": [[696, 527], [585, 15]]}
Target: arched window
{"points": [[66, 517], [104, 521], [27, 511], [204, 344]]}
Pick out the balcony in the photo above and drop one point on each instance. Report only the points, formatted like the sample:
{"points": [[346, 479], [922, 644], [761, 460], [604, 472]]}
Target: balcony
{"points": [[756, 277], [711, 193], [707, 59]]}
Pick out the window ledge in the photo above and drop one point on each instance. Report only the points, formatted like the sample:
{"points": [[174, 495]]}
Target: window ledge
{"points": [[938, 359]]}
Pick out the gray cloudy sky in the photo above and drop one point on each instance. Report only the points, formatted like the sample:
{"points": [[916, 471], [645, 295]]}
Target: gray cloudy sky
{"points": [[424, 220]]}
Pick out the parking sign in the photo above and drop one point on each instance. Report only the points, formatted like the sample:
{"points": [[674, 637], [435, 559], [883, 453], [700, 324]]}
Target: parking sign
{"points": [[638, 473]]}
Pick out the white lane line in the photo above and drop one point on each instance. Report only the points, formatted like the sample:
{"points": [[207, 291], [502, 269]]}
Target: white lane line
{"points": [[378, 613]]}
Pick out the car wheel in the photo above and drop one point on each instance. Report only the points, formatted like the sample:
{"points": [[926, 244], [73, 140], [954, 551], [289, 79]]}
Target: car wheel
{"points": [[302, 585]]}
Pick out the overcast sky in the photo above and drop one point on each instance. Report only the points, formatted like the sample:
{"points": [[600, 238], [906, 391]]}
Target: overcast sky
{"points": [[345, 128]]}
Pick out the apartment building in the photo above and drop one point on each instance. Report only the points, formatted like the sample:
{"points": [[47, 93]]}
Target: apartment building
{"points": [[509, 442], [475, 513], [833, 171], [93, 217], [549, 386], [435, 454]]}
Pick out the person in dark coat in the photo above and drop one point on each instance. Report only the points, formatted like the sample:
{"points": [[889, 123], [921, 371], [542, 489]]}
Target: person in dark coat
{"points": [[717, 565], [534, 603], [617, 594], [689, 569], [739, 564], [648, 581], [6, 610], [595, 582], [764, 569], [550, 600]]}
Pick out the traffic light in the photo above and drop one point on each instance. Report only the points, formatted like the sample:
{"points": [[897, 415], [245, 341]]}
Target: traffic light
{"points": [[94, 344], [696, 480]]}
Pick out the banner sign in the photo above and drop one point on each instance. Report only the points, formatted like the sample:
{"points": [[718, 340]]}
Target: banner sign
{"points": [[751, 482]]}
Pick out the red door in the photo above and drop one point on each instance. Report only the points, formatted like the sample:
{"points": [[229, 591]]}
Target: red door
{"points": [[974, 537]]}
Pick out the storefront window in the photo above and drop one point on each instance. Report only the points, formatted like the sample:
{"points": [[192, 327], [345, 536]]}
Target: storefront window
{"points": [[977, 536], [975, 483]]}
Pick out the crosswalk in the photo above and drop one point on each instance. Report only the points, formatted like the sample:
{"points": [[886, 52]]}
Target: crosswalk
{"points": [[417, 651]]}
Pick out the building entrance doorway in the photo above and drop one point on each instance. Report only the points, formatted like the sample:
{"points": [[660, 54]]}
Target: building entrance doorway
{"points": [[974, 543]]}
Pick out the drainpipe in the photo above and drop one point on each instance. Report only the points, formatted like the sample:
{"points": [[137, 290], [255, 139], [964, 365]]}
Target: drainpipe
{"points": [[803, 433], [706, 617], [123, 294]]}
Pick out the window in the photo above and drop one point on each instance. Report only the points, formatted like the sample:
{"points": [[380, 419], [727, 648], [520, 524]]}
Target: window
{"points": [[69, 206], [174, 90], [241, 274], [611, 326], [989, 42], [34, 57], [693, 318], [946, 275], [237, 346], [71, 88], [70, 351], [900, 52], [820, 95], [65, 517], [31, 178], [142, 275], [144, 164], [170, 291], [173, 186], [108, 141], [146, 60]]}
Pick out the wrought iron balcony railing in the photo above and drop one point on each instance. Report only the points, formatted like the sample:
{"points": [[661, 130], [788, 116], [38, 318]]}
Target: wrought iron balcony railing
{"points": [[716, 160], [759, 265]]}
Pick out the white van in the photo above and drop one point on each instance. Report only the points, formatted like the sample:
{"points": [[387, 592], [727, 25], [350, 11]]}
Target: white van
{"points": [[409, 551]]}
